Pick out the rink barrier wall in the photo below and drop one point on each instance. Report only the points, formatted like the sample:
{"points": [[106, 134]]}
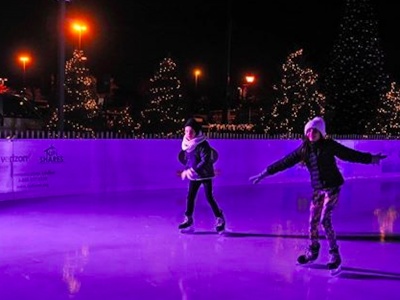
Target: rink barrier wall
{"points": [[55, 167]]}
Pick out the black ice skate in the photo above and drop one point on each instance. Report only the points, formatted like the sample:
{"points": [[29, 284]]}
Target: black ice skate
{"points": [[334, 265], [220, 224], [186, 225], [310, 255]]}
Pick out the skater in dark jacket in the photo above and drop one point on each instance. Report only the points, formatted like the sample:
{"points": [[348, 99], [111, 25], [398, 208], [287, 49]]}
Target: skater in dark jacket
{"points": [[199, 170], [318, 153]]}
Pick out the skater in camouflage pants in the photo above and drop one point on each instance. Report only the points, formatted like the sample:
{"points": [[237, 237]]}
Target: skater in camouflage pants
{"points": [[318, 153], [321, 207]]}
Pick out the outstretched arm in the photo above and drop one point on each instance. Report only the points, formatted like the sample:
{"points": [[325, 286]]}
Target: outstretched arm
{"points": [[284, 163], [352, 155]]}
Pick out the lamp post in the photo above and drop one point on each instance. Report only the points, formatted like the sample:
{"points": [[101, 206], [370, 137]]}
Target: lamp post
{"points": [[249, 80], [79, 28], [24, 59], [61, 64]]}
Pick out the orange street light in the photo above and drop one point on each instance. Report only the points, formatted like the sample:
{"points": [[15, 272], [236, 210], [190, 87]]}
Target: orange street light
{"points": [[197, 74], [24, 59], [249, 80], [79, 28]]}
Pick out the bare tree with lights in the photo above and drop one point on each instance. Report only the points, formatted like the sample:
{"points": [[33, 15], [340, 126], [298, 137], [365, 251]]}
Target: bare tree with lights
{"points": [[166, 109], [298, 99], [81, 112], [354, 80]]}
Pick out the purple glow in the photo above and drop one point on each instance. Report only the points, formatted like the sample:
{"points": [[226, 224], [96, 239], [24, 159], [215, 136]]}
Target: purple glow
{"points": [[125, 245]]}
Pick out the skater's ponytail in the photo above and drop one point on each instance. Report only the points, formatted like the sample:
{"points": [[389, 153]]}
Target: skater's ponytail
{"points": [[305, 150]]}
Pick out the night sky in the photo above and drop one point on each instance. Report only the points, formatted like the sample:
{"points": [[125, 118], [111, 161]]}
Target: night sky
{"points": [[127, 39]]}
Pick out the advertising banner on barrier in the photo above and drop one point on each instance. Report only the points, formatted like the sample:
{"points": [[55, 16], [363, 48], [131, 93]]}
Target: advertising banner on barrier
{"points": [[46, 167]]}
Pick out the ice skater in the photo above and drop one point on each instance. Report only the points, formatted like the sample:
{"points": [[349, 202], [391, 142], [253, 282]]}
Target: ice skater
{"points": [[198, 158], [318, 153]]}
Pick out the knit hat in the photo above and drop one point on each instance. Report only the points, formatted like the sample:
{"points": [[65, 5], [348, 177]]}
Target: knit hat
{"points": [[316, 123], [194, 124]]}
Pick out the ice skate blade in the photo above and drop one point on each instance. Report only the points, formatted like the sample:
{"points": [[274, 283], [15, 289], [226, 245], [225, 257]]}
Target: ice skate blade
{"points": [[305, 264], [187, 230], [311, 266], [335, 272], [222, 232]]}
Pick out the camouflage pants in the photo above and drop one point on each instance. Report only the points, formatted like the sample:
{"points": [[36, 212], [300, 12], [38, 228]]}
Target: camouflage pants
{"points": [[321, 207]]}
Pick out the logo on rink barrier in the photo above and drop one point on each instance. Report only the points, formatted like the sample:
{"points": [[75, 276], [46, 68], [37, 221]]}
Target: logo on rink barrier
{"points": [[15, 159], [51, 156]]}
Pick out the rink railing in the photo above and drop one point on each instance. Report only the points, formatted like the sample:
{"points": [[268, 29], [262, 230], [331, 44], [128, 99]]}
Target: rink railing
{"points": [[35, 134]]}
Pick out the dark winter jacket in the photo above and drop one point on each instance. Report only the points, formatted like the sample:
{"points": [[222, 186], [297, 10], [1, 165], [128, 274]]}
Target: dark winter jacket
{"points": [[319, 158], [200, 159]]}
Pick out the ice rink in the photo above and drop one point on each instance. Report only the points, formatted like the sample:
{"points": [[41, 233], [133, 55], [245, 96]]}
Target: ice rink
{"points": [[127, 245]]}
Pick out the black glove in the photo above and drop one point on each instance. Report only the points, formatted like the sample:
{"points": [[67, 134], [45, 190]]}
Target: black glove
{"points": [[376, 159], [257, 178]]}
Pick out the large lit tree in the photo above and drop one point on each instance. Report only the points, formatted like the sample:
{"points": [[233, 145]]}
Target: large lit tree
{"points": [[388, 120], [81, 112], [166, 109], [299, 98], [354, 80]]}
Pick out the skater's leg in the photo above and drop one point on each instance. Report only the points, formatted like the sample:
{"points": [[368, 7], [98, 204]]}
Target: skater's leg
{"points": [[330, 202], [191, 197], [312, 251], [190, 201], [208, 189], [316, 206]]}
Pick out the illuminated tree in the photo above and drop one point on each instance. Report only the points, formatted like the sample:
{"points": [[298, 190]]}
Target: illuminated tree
{"points": [[299, 98], [388, 120], [355, 80], [81, 112], [166, 109]]}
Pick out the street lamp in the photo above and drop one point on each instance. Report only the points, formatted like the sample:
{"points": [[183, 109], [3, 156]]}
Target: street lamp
{"points": [[24, 59], [197, 73], [79, 28], [249, 79]]}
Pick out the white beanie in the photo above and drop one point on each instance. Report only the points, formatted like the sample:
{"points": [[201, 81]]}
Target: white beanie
{"points": [[317, 123]]}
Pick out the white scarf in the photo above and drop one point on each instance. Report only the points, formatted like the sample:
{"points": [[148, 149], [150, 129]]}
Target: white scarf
{"points": [[190, 145]]}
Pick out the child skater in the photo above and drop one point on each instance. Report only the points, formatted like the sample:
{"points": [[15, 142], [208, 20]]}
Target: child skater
{"points": [[199, 170], [318, 153]]}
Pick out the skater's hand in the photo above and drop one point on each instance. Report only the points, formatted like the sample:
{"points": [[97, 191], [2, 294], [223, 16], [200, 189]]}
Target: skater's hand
{"points": [[184, 174], [376, 159], [257, 178], [189, 174]]}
